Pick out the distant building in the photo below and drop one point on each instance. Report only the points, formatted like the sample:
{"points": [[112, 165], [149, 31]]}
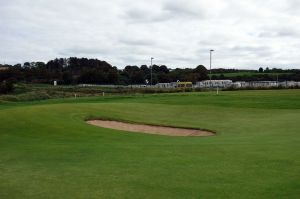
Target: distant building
{"points": [[214, 84], [289, 84], [184, 85], [179, 84], [137, 86], [173, 84], [262, 84], [3, 68], [240, 84], [165, 85]]}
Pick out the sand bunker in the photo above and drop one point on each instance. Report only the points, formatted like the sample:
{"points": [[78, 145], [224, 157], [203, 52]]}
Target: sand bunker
{"points": [[143, 128]]}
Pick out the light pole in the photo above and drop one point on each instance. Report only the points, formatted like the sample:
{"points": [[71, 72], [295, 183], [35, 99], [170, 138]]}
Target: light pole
{"points": [[151, 70], [210, 57]]}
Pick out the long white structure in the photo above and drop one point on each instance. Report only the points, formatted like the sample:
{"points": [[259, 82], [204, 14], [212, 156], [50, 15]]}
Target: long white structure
{"points": [[209, 84], [214, 84], [252, 84], [165, 85]]}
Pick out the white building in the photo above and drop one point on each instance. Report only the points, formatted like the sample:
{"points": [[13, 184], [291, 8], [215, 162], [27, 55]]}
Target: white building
{"points": [[214, 84], [173, 84], [164, 85], [289, 84], [240, 84], [262, 84]]}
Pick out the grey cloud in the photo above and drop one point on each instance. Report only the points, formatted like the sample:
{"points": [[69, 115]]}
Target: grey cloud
{"points": [[177, 33], [282, 32], [142, 17], [136, 42], [293, 6], [183, 8], [82, 50], [165, 11], [259, 51]]}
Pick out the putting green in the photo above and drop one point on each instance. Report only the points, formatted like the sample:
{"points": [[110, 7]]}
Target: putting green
{"points": [[47, 150]]}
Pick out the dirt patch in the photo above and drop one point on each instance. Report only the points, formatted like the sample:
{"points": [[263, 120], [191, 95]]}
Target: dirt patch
{"points": [[151, 129]]}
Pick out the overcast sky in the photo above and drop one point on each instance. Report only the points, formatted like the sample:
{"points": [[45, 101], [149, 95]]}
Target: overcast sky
{"points": [[177, 33]]}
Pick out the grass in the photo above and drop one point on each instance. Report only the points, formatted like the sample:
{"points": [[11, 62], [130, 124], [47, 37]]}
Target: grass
{"points": [[48, 151], [34, 92]]}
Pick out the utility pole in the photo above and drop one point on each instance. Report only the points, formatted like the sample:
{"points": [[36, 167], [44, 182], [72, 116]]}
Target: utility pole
{"points": [[210, 59], [151, 70]]}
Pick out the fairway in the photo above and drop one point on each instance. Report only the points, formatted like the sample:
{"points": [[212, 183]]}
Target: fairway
{"points": [[47, 150]]}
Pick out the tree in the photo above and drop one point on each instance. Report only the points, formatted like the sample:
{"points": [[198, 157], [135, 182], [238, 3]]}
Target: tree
{"points": [[201, 71], [163, 78], [267, 70], [191, 77], [26, 65], [67, 78], [155, 68], [163, 69], [145, 69], [6, 86], [83, 70], [113, 76], [134, 74]]}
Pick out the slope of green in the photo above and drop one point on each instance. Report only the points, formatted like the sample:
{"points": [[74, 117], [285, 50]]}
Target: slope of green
{"points": [[48, 151]]}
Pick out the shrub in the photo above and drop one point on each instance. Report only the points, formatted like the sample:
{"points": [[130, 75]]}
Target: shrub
{"points": [[6, 86]]}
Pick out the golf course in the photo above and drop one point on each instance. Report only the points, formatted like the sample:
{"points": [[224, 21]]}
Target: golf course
{"points": [[48, 150]]}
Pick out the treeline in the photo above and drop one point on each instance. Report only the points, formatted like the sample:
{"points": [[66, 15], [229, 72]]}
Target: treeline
{"points": [[93, 71], [260, 77], [75, 70], [267, 74], [260, 70]]}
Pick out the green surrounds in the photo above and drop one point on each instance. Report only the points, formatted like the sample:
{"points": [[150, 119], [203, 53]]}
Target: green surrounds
{"points": [[48, 151]]}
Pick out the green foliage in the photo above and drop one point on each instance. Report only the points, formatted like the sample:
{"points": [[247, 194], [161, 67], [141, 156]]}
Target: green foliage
{"points": [[93, 71], [73, 70], [201, 72], [6, 86]]}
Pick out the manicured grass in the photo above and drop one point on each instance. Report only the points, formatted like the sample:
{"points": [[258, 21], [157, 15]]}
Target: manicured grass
{"points": [[48, 151]]}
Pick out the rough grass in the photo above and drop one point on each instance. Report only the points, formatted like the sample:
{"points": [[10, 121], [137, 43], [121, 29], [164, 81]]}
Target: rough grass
{"points": [[48, 151], [35, 92]]}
